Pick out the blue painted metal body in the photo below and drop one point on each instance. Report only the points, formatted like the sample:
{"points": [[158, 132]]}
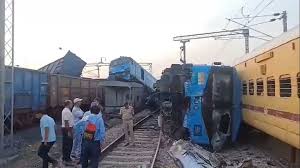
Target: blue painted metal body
{"points": [[30, 90], [197, 88], [195, 120], [70, 65], [125, 68], [237, 108]]}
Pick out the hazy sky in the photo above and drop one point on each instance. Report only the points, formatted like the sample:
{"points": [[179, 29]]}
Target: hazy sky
{"points": [[143, 30]]}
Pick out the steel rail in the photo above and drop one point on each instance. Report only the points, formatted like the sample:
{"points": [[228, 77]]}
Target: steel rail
{"points": [[111, 145], [157, 150]]}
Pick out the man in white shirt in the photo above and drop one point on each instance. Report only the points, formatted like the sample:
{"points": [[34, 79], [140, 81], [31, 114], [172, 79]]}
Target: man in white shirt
{"points": [[47, 126], [67, 131]]}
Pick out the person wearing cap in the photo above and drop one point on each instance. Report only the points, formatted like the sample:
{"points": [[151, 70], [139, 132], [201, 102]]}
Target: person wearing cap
{"points": [[67, 131], [127, 113], [76, 111], [77, 114], [78, 132], [93, 137]]}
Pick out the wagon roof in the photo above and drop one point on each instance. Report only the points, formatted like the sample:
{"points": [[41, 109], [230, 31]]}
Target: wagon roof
{"points": [[277, 41]]}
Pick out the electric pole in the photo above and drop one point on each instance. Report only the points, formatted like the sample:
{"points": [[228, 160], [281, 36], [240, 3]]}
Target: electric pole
{"points": [[225, 33], [246, 35], [183, 51], [6, 58], [2, 71], [284, 21]]}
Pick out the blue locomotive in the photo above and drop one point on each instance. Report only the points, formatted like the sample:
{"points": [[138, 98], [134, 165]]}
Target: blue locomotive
{"points": [[214, 115], [215, 112], [125, 68]]}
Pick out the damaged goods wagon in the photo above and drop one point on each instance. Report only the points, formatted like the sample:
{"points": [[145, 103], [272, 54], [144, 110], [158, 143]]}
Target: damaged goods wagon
{"points": [[65, 65]]}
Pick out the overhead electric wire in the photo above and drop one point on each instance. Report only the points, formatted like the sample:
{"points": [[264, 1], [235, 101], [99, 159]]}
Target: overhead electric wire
{"points": [[258, 5], [260, 12], [250, 28], [259, 38], [271, 20], [269, 15]]}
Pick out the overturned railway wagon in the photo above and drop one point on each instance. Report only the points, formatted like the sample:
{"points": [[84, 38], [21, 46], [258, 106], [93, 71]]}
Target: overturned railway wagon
{"points": [[214, 115]]}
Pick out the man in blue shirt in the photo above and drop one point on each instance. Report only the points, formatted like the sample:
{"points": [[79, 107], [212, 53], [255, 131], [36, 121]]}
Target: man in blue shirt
{"points": [[93, 136], [78, 130], [47, 126]]}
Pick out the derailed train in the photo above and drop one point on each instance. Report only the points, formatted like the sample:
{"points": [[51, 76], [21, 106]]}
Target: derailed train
{"points": [[214, 116], [127, 69]]}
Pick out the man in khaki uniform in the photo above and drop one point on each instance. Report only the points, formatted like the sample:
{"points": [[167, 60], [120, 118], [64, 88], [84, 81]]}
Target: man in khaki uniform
{"points": [[127, 113]]}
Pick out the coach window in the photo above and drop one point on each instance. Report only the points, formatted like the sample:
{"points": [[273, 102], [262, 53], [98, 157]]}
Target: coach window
{"points": [[251, 87], [270, 86], [260, 87], [285, 86], [244, 88], [298, 84]]}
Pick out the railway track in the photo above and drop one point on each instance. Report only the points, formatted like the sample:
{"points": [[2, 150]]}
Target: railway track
{"points": [[140, 155]]}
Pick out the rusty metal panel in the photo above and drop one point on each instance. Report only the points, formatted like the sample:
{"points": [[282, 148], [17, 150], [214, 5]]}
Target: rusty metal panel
{"points": [[92, 94], [75, 83], [85, 95], [93, 83], [64, 81], [85, 83], [75, 92], [64, 94]]}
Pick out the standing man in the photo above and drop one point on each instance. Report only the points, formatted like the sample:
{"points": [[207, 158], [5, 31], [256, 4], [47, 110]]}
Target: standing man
{"points": [[67, 120], [76, 111], [127, 113], [93, 136], [79, 128], [96, 102], [77, 114], [47, 126]]}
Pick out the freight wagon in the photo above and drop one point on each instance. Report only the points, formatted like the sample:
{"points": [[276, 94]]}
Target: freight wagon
{"points": [[65, 65], [30, 94], [126, 69], [36, 91], [62, 87]]}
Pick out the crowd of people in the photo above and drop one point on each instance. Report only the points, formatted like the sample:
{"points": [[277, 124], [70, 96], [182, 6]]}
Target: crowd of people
{"points": [[82, 133]]}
